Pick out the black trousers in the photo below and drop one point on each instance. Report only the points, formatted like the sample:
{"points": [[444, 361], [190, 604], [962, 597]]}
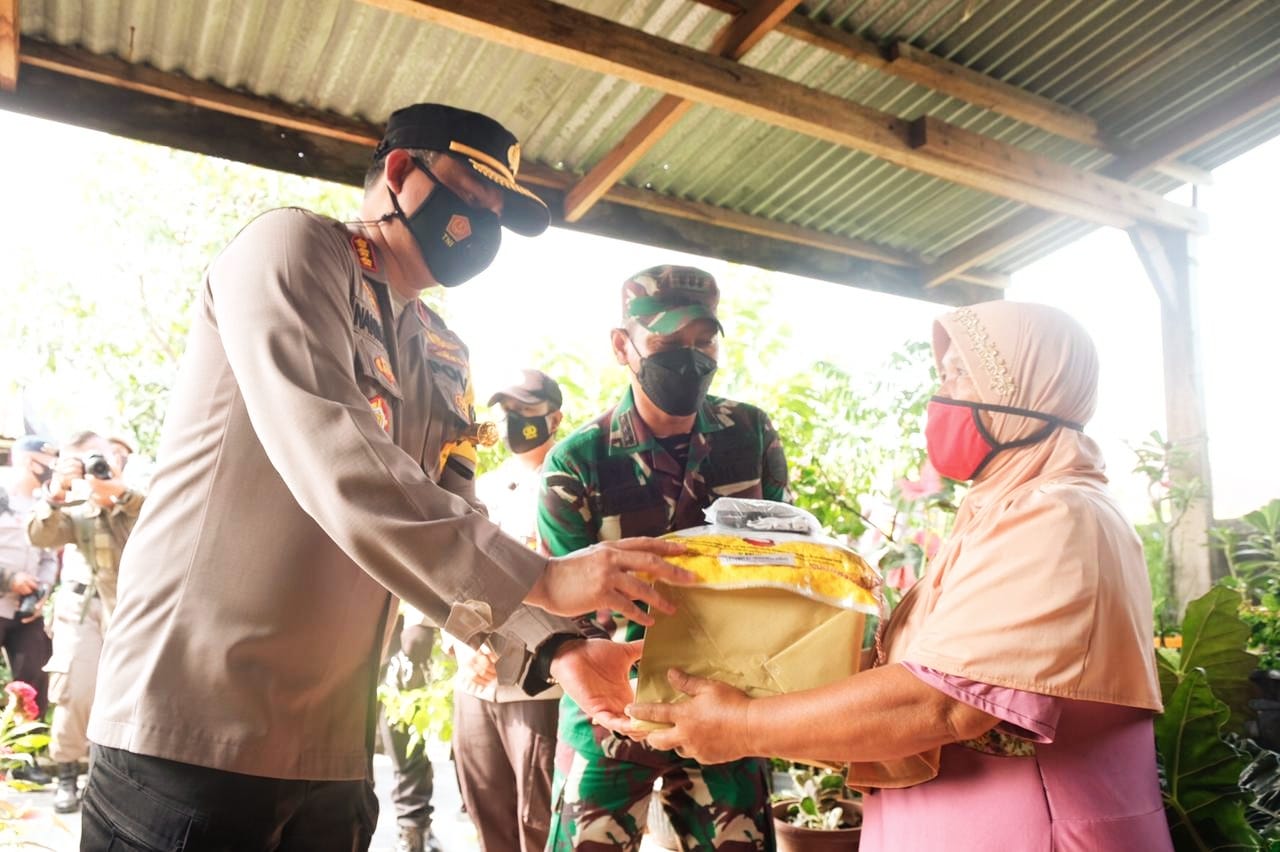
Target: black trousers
{"points": [[135, 803], [414, 783], [28, 648]]}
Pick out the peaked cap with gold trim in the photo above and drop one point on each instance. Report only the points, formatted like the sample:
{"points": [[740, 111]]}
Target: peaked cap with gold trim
{"points": [[488, 147]]}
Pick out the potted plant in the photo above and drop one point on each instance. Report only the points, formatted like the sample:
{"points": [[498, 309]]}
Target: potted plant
{"points": [[820, 816]]}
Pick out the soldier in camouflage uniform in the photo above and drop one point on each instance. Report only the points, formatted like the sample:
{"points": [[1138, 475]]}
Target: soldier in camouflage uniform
{"points": [[649, 466]]}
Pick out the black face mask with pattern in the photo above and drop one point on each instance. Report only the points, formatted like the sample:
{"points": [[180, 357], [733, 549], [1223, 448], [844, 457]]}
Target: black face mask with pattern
{"points": [[676, 380], [526, 433], [457, 241]]}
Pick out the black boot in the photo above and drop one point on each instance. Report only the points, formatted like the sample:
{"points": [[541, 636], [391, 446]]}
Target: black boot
{"points": [[66, 799], [32, 774], [410, 839]]}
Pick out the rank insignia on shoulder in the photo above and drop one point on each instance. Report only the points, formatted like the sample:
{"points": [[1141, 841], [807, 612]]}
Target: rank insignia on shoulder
{"points": [[364, 253], [381, 411]]}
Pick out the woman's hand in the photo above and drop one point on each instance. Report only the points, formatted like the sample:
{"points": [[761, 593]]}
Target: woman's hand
{"points": [[711, 726]]}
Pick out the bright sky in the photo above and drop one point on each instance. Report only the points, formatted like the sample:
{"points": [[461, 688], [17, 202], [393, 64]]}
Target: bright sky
{"points": [[569, 283]]}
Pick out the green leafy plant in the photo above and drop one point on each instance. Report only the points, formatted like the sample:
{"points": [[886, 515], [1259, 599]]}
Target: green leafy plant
{"points": [[1251, 550], [426, 712], [1262, 779], [1205, 690], [1171, 496], [818, 804]]}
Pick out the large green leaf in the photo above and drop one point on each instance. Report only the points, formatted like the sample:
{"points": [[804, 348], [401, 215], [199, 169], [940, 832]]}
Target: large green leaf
{"points": [[1213, 641], [1203, 798]]}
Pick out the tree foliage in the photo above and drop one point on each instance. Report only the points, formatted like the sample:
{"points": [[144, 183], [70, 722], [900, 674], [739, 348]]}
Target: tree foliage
{"points": [[95, 339]]}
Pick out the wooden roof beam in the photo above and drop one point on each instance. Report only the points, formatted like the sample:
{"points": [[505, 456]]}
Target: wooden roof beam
{"points": [[74, 62], [910, 63], [565, 34], [9, 44], [732, 41], [151, 81], [709, 214], [1204, 125]]}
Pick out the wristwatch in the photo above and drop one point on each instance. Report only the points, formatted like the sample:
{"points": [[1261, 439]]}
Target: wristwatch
{"points": [[538, 678]]}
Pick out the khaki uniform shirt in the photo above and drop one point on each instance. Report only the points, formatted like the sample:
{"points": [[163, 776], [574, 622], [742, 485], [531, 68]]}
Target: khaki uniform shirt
{"points": [[291, 495], [94, 538]]}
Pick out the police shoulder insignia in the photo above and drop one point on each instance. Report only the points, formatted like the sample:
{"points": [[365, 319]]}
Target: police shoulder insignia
{"points": [[364, 253]]}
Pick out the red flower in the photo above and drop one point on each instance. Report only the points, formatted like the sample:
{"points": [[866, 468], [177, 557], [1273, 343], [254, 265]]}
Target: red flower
{"points": [[928, 541], [929, 484], [901, 578], [25, 695]]}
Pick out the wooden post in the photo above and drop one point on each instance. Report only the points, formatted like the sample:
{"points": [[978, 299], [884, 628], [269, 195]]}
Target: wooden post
{"points": [[1169, 258]]}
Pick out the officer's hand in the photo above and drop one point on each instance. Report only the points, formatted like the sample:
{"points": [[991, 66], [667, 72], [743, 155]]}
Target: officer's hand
{"points": [[66, 471], [594, 673], [37, 613], [23, 584], [482, 668], [603, 576], [417, 640], [105, 491]]}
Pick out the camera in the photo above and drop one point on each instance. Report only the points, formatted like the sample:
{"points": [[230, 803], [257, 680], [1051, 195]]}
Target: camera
{"points": [[27, 603], [97, 466]]}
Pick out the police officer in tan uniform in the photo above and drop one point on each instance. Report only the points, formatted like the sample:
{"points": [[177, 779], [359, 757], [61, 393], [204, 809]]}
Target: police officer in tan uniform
{"points": [[298, 494]]}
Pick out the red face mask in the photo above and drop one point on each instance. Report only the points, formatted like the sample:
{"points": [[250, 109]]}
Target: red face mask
{"points": [[959, 443]]}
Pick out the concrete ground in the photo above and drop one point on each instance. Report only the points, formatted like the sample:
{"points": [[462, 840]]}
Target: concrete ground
{"points": [[27, 820]]}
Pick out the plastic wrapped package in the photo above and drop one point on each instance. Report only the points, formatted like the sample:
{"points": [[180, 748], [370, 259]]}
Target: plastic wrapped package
{"points": [[775, 610]]}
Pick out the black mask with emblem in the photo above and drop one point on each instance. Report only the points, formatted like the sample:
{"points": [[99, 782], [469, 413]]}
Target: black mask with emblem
{"points": [[676, 380], [526, 433], [457, 241]]}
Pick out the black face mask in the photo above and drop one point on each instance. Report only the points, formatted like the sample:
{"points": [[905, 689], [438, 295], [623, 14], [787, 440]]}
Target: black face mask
{"points": [[526, 433], [457, 241], [676, 380], [45, 474]]}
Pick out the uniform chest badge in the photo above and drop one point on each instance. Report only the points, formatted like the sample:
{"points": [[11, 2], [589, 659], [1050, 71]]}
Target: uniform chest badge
{"points": [[383, 366], [382, 412]]}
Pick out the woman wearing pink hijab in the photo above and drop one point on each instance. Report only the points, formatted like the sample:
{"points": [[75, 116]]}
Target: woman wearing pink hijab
{"points": [[1011, 706]]}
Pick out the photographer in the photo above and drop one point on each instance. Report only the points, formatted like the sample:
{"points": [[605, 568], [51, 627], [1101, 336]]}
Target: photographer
{"points": [[88, 509]]}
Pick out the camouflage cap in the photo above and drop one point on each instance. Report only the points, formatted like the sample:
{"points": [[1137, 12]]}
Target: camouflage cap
{"points": [[664, 299]]}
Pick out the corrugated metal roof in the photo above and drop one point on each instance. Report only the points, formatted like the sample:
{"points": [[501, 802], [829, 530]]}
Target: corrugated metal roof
{"points": [[1137, 66]]}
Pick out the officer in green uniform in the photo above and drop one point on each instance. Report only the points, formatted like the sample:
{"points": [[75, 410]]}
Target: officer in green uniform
{"points": [[650, 466]]}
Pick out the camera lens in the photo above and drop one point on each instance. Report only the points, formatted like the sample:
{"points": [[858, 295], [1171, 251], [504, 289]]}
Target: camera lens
{"points": [[98, 467]]}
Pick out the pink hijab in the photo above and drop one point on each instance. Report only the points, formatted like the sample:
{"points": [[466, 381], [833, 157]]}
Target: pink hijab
{"points": [[1042, 585]]}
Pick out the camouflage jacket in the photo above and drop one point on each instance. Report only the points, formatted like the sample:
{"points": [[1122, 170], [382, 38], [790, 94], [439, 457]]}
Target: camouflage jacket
{"points": [[613, 479]]}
